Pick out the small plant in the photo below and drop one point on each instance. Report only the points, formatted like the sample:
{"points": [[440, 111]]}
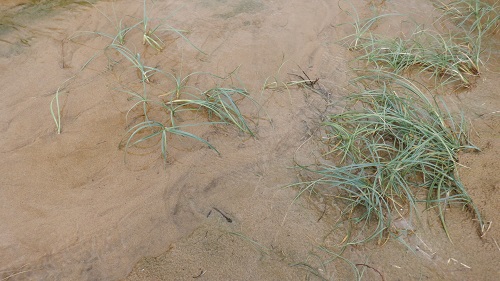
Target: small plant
{"points": [[362, 28], [475, 18], [390, 144], [120, 29], [144, 71], [55, 107], [149, 34]]}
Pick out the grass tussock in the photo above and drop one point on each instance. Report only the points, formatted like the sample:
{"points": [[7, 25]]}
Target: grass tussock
{"points": [[448, 60], [475, 17], [391, 148], [452, 58], [394, 147]]}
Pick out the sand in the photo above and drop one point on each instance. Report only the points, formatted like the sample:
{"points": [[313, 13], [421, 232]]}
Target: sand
{"points": [[71, 208]]}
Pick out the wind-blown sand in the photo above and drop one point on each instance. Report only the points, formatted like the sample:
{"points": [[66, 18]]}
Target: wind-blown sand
{"points": [[71, 208]]}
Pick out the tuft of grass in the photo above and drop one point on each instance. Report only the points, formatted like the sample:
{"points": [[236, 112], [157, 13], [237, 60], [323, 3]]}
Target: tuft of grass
{"points": [[149, 34], [120, 27], [145, 71], [389, 145], [221, 104], [362, 28], [451, 59], [150, 129], [476, 17], [55, 107]]}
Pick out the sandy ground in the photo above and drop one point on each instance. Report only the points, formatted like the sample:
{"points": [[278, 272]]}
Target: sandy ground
{"points": [[72, 209]]}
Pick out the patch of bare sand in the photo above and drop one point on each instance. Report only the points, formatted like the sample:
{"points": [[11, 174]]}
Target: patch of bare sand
{"points": [[71, 209]]}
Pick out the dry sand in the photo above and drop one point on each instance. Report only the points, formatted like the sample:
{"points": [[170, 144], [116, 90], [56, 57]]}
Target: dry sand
{"points": [[72, 209]]}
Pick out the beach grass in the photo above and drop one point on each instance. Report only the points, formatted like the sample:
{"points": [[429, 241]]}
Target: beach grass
{"points": [[176, 110], [391, 148], [452, 58]]}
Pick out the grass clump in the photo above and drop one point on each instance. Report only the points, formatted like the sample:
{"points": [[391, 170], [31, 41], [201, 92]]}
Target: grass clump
{"points": [[452, 58], [449, 60], [390, 145], [475, 17]]}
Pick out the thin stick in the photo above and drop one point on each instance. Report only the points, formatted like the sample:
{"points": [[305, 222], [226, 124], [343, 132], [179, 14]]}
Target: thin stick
{"points": [[381, 276]]}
